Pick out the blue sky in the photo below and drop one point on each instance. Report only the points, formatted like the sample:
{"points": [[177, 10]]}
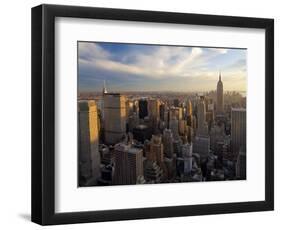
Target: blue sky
{"points": [[133, 67]]}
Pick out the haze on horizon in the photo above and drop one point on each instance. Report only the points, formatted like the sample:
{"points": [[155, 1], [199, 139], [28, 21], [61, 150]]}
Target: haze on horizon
{"points": [[133, 67]]}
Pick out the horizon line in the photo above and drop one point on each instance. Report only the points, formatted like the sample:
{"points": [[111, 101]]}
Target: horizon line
{"points": [[171, 91]]}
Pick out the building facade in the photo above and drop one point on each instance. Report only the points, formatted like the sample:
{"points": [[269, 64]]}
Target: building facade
{"points": [[201, 145], [238, 129], [168, 143], [187, 157], [154, 108], [128, 164], [88, 143], [202, 129], [241, 165], [156, 150], [143, 108], [114, 117]]}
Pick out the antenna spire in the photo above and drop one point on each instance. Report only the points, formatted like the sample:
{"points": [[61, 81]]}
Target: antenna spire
{"points": [[104, 88]]}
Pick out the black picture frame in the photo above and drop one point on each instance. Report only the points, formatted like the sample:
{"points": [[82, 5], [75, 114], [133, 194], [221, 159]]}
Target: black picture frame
{"points": [[43, 114]]}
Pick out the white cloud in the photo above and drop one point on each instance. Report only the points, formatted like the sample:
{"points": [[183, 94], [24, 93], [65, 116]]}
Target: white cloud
{"points": [[90, 51], [218, 50], [159, 62]]}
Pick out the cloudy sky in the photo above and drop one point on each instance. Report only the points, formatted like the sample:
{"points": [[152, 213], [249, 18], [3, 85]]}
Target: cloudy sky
{"points": [[131, 67]]}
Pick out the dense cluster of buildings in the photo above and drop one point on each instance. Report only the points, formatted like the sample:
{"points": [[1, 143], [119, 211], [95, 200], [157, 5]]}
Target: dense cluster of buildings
{"points": [[148, 138]]}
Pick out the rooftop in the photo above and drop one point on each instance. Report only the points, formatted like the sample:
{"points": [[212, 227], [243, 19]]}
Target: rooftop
{"points": [[238, 109]]}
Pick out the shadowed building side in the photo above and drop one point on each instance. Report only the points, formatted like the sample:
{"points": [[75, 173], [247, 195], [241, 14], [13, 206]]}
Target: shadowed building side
{"points": [[238, 129]]}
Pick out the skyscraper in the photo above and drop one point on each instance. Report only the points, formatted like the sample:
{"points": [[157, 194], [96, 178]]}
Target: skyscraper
{"points": [[187, 157], [143, 109], [176, 112], [217, 134], [154, 108], [238, 129], [128, 164], [241, 165], [182, 127], [188, 108], [154, 114], [156, 150], [114, 117], [174, 126], [133, 121], [162, 110], [201, 118], [129, 108], [168, 143], [176, 102], [201, 145], [89, 157], [177, 143], [220, 103]]}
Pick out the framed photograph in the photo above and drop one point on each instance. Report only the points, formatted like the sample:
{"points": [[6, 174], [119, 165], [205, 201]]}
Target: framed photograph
{"points": [[142, 114]]}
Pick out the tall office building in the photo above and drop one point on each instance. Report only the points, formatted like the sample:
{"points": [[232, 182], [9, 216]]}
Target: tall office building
{"points": [[238, 129], [201, 145], [176, 102], [154, 114], [154, 108], [220, 103], [168, 143], [136, 107], [162, 110], [129, 108], [128, 164], [143, 108], [156, 150], [89, 157], [201, 118], [170, 168], [189, 134], [114, 117], [174, 126], [187, 157], [217, 134], [188, 108], [133, 122], [177, 143], [176, 112], [182, 127], [189, 114], [241, 165]]}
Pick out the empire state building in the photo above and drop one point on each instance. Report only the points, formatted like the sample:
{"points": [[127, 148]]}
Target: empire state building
{"points": [[220, 96]]}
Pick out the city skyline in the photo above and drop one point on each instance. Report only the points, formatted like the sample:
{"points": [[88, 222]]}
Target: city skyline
{"points": [[132, 131], [138, 67]]}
